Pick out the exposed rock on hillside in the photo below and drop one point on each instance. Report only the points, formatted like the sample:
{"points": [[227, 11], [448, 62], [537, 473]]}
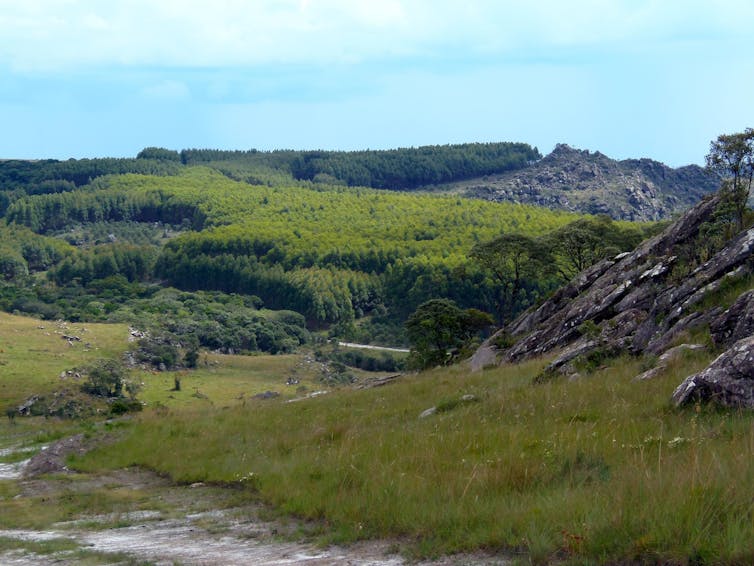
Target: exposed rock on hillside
{"points": [[728, 381], [643, 302], [578, 180]]}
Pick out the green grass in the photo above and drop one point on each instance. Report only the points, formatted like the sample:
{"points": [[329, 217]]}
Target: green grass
{"points": [[597, 470], [33, 353]]}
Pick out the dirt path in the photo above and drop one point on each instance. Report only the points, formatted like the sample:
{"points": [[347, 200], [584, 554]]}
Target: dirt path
{"points": [[370, 347], [166, 524], [180, 542]]}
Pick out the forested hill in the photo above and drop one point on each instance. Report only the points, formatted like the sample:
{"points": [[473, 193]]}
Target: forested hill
{"points": [[566, 179], [592, 183]]}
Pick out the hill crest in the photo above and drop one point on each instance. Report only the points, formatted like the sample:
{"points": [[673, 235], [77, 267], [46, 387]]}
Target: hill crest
{"points": [[593, 183]]}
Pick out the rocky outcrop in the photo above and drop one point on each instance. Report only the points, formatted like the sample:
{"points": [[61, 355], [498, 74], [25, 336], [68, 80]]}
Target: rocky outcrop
{"points": [[582, 181], [728, 381], [735, 323], [644, 302]]}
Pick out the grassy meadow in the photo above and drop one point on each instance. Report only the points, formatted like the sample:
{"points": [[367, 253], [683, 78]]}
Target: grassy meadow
{"points": [[598, 470], [33, 353]]}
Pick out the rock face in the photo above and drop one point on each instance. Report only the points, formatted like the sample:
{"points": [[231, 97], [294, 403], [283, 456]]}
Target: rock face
{"points": [[728, 381], [638, 302], [581, 181]]}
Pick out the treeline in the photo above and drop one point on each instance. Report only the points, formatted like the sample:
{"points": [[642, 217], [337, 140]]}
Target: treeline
{"points": [[409, 168], [51, 212], [48, 176], [398, 169]]}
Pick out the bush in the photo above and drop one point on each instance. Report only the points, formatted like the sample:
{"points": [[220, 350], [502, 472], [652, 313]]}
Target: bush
{"points": [[105, 378], [122, 406]]}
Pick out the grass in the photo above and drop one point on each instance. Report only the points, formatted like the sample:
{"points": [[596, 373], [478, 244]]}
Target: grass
{"points": [[597, 470], [33, 353]]}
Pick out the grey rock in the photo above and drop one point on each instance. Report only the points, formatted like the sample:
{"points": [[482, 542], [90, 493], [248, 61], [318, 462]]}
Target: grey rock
{"points": [[669, 356], [266, 395], [578, 180], [735, 323], [728, 381], [428, 412], [631, 299]]}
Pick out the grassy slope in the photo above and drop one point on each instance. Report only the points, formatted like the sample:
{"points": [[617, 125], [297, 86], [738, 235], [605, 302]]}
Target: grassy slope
{"points": [[599, 469], [33, 352]]}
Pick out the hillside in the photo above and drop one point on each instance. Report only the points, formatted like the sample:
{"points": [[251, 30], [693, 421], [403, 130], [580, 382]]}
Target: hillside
{"points": [[592, 183], [688, 288]]}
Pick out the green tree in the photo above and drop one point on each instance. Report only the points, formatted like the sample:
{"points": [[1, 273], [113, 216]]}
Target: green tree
{"points": [[106, 378], [586, 241], [732, 156], [440, 332], [513, 259]]}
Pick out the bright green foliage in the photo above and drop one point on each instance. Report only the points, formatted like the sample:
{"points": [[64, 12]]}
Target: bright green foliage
{"points": [[23, 252], [440, 332], [331, 254]]}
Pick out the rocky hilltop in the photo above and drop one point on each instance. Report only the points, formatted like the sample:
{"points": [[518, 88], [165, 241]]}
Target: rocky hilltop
{"points": [[582, 181], [647, 302]]}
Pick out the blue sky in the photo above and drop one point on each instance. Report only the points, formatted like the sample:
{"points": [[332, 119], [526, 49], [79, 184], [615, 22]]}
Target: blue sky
{"points": [[637, 78]]}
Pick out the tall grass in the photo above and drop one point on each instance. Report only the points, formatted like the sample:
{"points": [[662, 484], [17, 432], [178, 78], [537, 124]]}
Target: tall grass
{"points": [[601, 469]]}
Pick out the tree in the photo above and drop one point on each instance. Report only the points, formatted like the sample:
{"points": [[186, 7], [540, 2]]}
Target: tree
{"points": [[105, 378], [512, 259], [440, 332], [586, 241], [732, 157]]}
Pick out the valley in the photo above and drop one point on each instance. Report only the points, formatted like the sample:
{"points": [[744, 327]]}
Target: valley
{"points": [[216, 356]]}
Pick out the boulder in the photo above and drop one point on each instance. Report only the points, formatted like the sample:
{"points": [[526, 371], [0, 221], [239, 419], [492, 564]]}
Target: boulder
{"points": [[728, 381], [735, 323]]}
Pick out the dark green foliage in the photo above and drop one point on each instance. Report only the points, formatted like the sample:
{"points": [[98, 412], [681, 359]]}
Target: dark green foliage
{"points": [[448, 405], [401, 169], [160, 350], [440, 332], [410, 168], [368, 360], [732, 157], [123, 406], [586, 241], [517, 262], [105, 378], [159, 153], [42, 176]]}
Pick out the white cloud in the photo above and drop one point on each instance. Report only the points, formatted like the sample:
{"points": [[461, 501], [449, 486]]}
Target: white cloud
{"points": [[65, 34]]}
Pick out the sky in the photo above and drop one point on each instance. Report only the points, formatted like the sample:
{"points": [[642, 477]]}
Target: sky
{"points": [[634, 78]]}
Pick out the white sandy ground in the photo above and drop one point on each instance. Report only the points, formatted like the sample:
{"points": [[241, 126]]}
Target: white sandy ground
{"points": [[228, 542]]}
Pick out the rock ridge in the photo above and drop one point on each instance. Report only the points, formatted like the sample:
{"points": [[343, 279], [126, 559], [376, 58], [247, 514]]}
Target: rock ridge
{"points": [[590, 182], [644, 302]]}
